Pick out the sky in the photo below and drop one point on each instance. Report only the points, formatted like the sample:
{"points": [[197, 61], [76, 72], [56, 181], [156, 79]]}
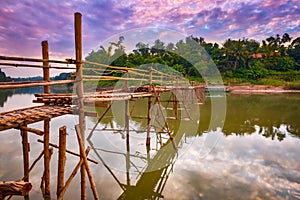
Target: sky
{"points": [[25, 23]]}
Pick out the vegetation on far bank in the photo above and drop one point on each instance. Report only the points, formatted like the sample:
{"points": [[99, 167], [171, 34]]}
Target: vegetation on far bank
{"points": [[274, 61]]}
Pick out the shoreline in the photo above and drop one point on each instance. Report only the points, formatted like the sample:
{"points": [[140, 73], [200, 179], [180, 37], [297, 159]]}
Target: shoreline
{"points": [[259, 89]]}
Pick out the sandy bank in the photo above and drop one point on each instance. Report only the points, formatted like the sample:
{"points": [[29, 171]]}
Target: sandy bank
{"points": [[257, 89]]}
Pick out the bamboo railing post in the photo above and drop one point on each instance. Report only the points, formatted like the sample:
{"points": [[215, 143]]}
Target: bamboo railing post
{"points": [[127, 115], [150, 78], [148, 123], [126, 81], [47, 157], [61, 159], [79, 91], [46, 72]]}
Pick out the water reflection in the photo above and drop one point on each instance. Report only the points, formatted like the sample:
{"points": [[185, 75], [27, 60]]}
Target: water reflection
{"points": [[256, 157]]}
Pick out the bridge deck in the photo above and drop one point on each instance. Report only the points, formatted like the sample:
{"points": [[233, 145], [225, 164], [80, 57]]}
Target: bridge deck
{"points": [[16, 118]]}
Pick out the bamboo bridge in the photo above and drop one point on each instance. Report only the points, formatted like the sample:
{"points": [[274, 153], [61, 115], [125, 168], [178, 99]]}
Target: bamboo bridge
{"points": [[133, 84]]}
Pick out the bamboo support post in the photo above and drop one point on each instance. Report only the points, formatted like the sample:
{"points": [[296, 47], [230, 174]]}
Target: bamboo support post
{"points": [[50, 150], [47, 157], [74, 172], [14, 188], [85, 162], [61, 159], [79, 90], [46, 72], [26, 150]]}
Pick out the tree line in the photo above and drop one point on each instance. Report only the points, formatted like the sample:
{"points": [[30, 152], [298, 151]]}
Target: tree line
{"points": [[244, 60]]}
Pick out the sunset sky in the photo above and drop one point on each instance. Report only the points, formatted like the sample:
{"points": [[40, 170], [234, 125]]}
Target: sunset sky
{"points": [[25, 23]]}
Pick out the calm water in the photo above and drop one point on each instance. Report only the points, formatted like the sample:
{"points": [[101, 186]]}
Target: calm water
{"points": [[255, 155]]}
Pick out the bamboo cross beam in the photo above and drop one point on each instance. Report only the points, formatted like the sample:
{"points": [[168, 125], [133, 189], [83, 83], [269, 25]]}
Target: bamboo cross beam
{"points": [[32, 130], [68, 151]]}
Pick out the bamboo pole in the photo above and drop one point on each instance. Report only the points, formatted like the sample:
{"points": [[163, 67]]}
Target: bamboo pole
{"points": [[127, 116], [26, 150], [99, 120], [150, 78], [46, 72], [79, 91], [32, 130], [85, 162], [50, 152], [68, 151], [34, 66], [47, 157], [14, 188], [74, 172], [33, 84], [61, 159], [11, 58], [148, 122]]}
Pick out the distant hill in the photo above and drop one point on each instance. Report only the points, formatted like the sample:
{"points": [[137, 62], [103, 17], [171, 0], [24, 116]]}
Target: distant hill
{"points": [[4, 78]]}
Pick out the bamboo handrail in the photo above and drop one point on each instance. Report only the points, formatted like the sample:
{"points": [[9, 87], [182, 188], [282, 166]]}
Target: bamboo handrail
{"points": [[113, 67], [34, 66], [12, 58], [112, 78], [15, 85]]}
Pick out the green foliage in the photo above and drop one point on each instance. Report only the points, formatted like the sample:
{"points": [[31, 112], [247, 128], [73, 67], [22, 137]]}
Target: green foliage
{"points": [[256, 71], [243, 60]]}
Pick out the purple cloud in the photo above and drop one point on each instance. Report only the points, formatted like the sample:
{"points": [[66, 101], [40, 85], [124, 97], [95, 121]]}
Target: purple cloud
{"points": [[24, 24]]}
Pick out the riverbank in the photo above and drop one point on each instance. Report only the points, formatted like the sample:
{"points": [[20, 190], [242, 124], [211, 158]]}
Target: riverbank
{"points": [[259, 89]]}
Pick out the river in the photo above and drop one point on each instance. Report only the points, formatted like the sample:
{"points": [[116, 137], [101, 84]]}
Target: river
{"points": [[255, 155]]}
